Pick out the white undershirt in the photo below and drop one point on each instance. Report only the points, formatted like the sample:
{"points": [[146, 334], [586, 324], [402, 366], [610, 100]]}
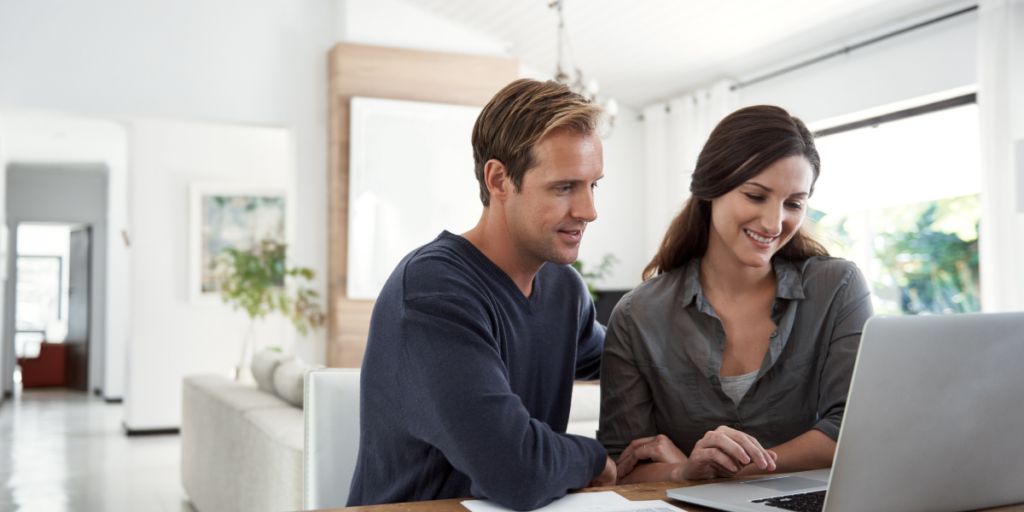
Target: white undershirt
{"points": [[736, 387]]}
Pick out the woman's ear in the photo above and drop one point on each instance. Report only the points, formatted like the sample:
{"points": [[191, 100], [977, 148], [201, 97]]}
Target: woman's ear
{"points": [[496, 179]]}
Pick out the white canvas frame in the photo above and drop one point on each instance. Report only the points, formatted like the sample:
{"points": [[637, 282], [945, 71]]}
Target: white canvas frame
{"points": [[410, 177], [196, 193]]}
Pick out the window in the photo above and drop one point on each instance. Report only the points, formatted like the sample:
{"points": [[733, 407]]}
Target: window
{"points": [[901, 199]]}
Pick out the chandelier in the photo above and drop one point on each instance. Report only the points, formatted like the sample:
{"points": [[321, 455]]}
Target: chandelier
{"points": [[567, 72]]}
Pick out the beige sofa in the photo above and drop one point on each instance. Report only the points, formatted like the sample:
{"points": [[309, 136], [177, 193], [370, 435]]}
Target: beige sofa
{"points": [[242, 446]]}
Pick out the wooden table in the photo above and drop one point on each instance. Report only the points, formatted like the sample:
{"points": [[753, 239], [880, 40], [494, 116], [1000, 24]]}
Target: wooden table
{"points": [[636, 492]]}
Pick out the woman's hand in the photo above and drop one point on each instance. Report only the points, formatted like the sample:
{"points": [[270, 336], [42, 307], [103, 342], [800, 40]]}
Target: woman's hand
{"points": [[656, 449], [723, 452]]}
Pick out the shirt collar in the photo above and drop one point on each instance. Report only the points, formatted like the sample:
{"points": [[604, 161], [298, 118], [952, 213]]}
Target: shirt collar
{"points": [[789, 284]]}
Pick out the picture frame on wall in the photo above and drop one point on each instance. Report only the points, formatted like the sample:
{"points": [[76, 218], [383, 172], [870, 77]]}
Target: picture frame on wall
{"points": [[226, 216]]}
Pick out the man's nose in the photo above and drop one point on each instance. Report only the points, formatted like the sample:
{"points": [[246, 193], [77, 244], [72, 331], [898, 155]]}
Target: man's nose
{"points": [[584, 207]]}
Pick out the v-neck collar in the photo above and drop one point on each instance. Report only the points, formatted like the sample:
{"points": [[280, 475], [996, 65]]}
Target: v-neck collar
{"points": [[498, 274]]}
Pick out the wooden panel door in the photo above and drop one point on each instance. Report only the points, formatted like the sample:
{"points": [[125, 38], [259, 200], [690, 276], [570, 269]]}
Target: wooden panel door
{"points": [[76, 373]]}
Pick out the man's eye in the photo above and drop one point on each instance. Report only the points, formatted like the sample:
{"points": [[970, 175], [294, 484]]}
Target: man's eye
{"points": [[565, 188]]}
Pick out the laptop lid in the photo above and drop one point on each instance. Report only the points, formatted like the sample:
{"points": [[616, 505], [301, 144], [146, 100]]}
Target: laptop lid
{"points": [[934, 417]]}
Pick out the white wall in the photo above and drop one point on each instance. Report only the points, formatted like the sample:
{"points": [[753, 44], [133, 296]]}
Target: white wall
{"points": [[399, 24], [1017, 72], [928, 60], [232, 61], [171, 336], [619, 228]]}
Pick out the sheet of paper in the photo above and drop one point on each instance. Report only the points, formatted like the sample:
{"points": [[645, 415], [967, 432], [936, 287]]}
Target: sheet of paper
{"points": [[646, 506], [584, 502]]}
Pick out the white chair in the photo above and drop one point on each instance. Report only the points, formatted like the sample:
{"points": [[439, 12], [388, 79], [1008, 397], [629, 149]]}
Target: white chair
{"points": [[332, 436]]}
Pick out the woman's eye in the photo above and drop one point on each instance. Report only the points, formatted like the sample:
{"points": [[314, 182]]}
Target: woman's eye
{"points": [[795, 206], [754, 197]]}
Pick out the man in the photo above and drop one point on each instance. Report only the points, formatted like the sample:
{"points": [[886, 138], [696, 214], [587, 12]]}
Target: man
{"points": [[475, 340]]}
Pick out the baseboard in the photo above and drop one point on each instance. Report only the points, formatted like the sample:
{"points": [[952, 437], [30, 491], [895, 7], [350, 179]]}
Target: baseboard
{"points": [[113, 400], [133, 432]]}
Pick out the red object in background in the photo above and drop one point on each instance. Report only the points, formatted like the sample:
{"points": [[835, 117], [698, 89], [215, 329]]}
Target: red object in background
{"points": [[45, 370]]}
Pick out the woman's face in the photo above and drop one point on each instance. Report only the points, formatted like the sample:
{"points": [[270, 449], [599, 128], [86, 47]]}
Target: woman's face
{"points": [[753, 221]]}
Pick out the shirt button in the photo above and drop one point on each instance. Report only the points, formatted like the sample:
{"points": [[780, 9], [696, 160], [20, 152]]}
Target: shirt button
{"points": [[737, 426], [775, 333], [714, 378]]}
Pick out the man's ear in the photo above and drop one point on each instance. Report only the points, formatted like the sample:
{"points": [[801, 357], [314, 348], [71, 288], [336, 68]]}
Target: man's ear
{"points": [[496, 179]]}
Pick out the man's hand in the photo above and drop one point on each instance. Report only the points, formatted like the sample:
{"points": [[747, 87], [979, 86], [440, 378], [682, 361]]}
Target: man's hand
{"points": [[723, 452], [656, 449], [607, 477]]}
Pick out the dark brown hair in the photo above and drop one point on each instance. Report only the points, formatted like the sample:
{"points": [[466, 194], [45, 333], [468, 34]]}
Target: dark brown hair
{"points": [[743, 145], [518, 117]]}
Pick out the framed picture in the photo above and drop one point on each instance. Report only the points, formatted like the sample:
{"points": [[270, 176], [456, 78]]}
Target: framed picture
{"points": [[400, 200], [230, 217]]}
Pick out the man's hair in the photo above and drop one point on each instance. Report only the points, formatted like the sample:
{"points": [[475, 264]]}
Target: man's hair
{"points": [[518, 117]]}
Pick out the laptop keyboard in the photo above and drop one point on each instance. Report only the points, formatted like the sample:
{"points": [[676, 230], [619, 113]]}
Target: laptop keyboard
{"points": [[806, 502]]}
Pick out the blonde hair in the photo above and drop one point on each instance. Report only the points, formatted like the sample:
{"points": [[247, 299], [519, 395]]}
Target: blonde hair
{"points": [[518, 117]]}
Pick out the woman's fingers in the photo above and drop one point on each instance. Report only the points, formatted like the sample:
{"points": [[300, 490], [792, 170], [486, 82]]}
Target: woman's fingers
{"points": [[637, 443], [625, 465], [755, 451], [744, 448]]}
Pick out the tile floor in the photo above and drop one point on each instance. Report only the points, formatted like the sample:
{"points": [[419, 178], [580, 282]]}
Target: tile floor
{"points": [[63, 450]]}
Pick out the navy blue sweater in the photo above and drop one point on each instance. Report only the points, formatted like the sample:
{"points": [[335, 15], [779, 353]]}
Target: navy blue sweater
{"points": [[466, 383]]}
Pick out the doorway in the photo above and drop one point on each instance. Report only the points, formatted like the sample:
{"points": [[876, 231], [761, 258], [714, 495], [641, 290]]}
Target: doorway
{"points": [[51, 339], [56, 210]]}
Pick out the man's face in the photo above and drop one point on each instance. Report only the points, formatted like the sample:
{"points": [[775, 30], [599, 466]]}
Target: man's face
{"points": [[547, 217]]}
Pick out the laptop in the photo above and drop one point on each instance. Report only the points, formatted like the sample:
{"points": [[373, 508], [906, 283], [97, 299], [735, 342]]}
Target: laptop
{"points": [[934, 422]]}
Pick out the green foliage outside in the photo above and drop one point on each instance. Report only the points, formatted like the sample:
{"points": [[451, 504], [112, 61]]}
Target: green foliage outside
{"points": [[591, 277], [926, 254], [254, 281]]}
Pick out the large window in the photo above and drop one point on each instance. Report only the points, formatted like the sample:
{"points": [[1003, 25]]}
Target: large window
{"points": [[901, 200]]}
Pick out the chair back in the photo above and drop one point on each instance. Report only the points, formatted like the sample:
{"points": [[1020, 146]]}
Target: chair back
{"points": [[331, 414]]}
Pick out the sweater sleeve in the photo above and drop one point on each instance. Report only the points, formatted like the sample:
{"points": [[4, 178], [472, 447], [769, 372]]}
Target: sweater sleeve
{"points": [[459, 393]]}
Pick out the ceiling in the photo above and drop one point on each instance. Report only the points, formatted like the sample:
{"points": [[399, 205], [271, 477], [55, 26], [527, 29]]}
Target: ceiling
{"points": [[642, 51]]}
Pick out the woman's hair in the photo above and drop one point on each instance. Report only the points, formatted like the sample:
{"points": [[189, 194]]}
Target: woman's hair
{"points": [[743, 145]]}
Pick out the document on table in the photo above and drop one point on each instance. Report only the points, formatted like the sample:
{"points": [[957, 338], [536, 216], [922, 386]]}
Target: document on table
{"points": [[608, 501]]}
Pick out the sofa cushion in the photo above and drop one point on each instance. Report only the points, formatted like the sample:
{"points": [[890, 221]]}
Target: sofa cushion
{"points": [[289, 381], [284, 426], [234, 395], [263, 366]]}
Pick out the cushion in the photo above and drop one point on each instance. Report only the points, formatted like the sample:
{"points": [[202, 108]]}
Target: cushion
{"points": [[263, 366], [288, 380]]}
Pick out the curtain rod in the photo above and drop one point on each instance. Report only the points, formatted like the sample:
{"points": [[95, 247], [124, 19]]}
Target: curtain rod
{"points": [[849, 49]]}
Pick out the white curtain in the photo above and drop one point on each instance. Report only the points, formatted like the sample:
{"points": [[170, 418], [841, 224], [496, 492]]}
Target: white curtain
{"points": [[1002, 227], [675, 132]]}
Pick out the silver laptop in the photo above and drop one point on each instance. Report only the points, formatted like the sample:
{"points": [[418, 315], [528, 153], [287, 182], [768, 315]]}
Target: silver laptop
{"points": [[934, 422]]}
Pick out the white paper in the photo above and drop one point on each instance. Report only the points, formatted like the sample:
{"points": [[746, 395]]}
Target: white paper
{"points": [[646, 506], [586, 501], [583, 502]]}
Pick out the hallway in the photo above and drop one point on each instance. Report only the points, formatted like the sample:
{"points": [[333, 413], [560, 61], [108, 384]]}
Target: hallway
{"points": [[63, 450]]}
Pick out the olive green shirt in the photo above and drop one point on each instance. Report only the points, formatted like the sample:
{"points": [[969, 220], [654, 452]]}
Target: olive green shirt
{"points": [[663, 352]]}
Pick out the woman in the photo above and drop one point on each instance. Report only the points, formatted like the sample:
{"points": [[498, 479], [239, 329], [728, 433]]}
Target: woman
{"points": [[734, 356]]}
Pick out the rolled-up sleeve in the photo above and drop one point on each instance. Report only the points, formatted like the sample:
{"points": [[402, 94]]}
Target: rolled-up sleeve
{"points": [[852, 312], [627, 408]]}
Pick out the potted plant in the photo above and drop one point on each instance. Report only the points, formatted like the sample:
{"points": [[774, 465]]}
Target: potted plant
{"points": [[260, 282]]}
